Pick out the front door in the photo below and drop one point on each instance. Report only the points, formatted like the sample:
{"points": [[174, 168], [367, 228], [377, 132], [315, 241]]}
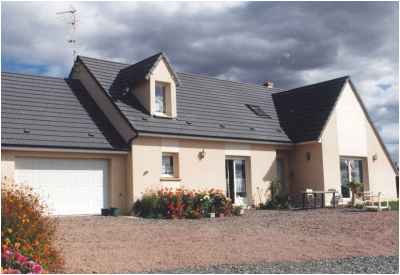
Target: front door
{"points": [[350, 170], [236, 180]]}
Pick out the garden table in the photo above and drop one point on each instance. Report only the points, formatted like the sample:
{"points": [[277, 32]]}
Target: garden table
{"points": [[315, 194]]}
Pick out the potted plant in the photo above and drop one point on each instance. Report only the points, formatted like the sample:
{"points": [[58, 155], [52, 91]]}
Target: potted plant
{"points": [[114, 211], [212, 212], [355, 187], [238, 210], [105, 211]]}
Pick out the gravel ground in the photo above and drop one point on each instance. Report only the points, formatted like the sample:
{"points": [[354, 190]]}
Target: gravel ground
{"points": [[95, 244], [371, 265]]}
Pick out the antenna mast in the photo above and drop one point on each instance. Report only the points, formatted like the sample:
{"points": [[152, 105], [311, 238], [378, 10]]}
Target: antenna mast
{"points": [[73, 22]]}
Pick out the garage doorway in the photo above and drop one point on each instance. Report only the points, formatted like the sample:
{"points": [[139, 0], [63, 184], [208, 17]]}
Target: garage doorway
{"points": [[68, 186]]}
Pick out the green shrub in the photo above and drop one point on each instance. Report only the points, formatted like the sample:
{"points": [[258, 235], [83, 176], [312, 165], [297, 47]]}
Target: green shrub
{"points": [[394, 205], [237, 210], [278, 199]]}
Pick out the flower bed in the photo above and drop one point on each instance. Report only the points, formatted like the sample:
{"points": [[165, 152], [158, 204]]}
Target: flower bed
{"points": [[27, 232], [182, 203], [13, 262]]}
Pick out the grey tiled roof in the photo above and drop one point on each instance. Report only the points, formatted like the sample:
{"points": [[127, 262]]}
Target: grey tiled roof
{"points": [[38, 111], [206, 107], [304, 111]]}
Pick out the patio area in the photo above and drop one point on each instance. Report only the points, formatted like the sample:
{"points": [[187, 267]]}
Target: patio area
{"points": [[129, 244]]}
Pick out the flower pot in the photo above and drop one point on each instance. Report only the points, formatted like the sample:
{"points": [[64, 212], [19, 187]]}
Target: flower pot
{"points": [[241, 211], [105, 212], [212, 215], [114, 211]]}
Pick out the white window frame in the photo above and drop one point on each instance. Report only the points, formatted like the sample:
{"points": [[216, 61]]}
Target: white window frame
{"points": [[175, 160], [165, 91]]}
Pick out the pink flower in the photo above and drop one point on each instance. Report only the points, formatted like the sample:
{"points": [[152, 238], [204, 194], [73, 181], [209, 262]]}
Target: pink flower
{"points": [[20, 258], [7, 254], [37, 269]]}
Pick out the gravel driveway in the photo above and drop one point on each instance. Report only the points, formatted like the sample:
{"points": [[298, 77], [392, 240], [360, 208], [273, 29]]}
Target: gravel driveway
{"points": [[370, 265], [129, 244]]}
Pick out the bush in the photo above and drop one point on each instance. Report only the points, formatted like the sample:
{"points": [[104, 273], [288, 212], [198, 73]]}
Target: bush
{"points": [[26, 228], [182, 203], [237, 210], [278, 199], [394, 205]]}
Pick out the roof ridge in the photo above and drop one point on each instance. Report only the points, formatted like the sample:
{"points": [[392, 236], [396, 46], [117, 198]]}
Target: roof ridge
{"points": [[227, 80], [106, 60], [143, 60], [35, 75], [314, 84], [275, 90]]}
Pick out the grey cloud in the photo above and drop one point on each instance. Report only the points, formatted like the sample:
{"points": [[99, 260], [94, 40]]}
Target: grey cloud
{"points": [[291, 43]]}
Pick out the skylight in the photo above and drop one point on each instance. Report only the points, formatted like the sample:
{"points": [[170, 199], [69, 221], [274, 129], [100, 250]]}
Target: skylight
{"points": [[258, 111]]}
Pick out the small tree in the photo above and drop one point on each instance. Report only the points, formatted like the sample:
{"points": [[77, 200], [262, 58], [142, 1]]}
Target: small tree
{"points": [[355, 187], [278, 198]]}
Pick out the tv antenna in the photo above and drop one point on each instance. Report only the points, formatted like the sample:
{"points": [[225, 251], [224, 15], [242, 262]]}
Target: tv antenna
{"points": [[72, 12]]}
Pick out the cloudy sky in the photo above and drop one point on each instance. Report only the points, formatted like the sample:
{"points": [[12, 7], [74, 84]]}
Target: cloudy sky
{"points": [[291, 43]]}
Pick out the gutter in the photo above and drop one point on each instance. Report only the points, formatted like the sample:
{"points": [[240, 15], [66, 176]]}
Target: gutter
{"points": [[209, 138], [66, 150]]}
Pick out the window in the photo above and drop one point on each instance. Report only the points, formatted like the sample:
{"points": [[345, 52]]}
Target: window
{"points": [[350, 170], [169, 165], [258, 111], [161, 91]]}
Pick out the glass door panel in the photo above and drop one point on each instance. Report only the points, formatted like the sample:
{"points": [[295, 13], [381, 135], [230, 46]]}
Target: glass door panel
{"points": [[345, 179], [240, 177], [356, 170]]}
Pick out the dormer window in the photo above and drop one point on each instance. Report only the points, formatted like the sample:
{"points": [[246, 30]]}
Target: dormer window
{"points": [[161, 94], [154, 87]]}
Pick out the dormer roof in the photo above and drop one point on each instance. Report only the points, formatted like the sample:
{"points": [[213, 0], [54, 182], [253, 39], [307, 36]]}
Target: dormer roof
{"points": [[142, 70]]}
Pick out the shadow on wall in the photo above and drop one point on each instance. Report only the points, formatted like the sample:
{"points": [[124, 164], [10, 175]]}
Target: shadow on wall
{"points": [[263, 190]]}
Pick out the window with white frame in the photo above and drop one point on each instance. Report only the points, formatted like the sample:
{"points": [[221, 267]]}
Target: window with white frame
{"points": [[169, 165], [161, 94]]}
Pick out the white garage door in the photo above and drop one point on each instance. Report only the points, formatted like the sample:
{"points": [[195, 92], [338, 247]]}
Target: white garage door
{"points": [[69, 186]]}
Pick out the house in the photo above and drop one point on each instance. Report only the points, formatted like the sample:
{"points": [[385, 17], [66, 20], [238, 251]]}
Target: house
{"points": [[110, 131]]}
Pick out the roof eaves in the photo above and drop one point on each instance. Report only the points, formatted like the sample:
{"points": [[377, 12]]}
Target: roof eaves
{"points": [[239, 139]]}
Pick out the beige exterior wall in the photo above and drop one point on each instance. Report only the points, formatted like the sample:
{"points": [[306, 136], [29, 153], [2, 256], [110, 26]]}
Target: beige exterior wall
{"points": [[330, 155], [196, 173], [306, 174], [351, 124], [380, 172], [117, 167], [349, 134], [142, 93]]}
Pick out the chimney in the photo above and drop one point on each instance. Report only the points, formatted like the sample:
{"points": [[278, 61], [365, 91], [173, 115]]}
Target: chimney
{"points": [[269, 84]]}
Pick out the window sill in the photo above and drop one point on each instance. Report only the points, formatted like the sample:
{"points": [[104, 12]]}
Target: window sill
{"points": [[162, 115], [170, 179]]}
